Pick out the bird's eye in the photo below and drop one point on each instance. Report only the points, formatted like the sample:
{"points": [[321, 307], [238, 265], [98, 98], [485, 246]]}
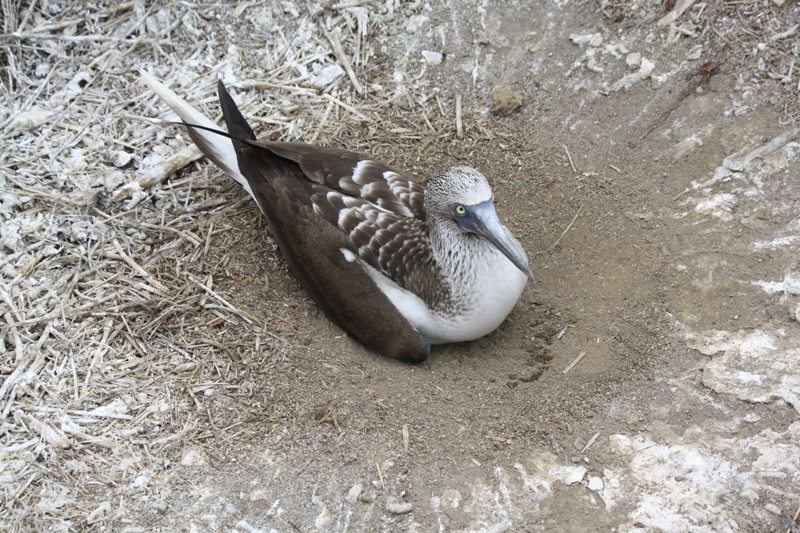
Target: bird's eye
{"points": [[460, 210]]}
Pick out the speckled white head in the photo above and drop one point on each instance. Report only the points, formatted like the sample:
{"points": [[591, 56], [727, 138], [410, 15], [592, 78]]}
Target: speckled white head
{"points": [[459, 205], [456, 185]]}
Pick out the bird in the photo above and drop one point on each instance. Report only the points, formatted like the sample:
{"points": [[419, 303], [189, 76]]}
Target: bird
{"points": [[398, 266]]}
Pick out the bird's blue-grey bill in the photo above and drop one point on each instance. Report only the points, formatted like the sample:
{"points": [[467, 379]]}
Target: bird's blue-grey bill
{"points": [[488, 225]]}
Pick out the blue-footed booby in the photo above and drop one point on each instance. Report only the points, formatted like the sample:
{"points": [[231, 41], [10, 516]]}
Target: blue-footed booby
{"points": [[398, 267]]}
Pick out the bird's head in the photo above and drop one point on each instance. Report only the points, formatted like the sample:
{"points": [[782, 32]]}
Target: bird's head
{"points": [[461, 199]]}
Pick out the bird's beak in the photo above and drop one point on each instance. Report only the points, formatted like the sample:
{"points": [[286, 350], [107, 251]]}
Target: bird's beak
{"points": [[482, 220]]}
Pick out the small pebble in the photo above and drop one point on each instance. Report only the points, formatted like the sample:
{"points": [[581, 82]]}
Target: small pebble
{"points": [[415, 23], [595, 484], [354, 493], [100, 513], [399, 508], [772, 508], [121, 158], [258, 495], [328, 75], [432, 58], [695, 53], [633, 59], [751, 418], [592, 39], [193, 458], [451, 498], [574, 475], [504, 100]]}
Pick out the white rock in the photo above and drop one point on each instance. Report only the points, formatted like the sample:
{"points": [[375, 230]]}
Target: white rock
{"points": [[193, 458], [620, 443], [244, 526], [569, 475], [647, 67], [323, 520], [399, 508], [258, 495], [100, 513], [695, 53], [156, 22], [27, 120], [451, 498], [120, 158], [591, 62], [751, 418], [415, 23], [354, 493], [633, 59], [595, 484], [432, 58], [592, 39], [328, 75]]}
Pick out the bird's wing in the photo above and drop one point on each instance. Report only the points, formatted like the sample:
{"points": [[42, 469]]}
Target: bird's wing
{"points": [[312, 246], [298, 188], [379, 210], [354, 175], [397, 246], [374, 215]]}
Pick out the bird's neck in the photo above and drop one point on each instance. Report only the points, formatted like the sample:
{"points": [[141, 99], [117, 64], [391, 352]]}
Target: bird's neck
{"points": [[480, 281], [460, 256]]}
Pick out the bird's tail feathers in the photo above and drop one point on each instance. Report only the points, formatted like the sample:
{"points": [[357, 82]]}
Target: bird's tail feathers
{"points": [[234, 119], [215, 144]]}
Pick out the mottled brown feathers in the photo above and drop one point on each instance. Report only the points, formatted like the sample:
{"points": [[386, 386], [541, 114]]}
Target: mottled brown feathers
{"points": [[318, 202]]}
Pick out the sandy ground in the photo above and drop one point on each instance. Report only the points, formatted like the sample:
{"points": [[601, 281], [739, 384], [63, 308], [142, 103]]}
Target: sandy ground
{"points": [[162, 371]]}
